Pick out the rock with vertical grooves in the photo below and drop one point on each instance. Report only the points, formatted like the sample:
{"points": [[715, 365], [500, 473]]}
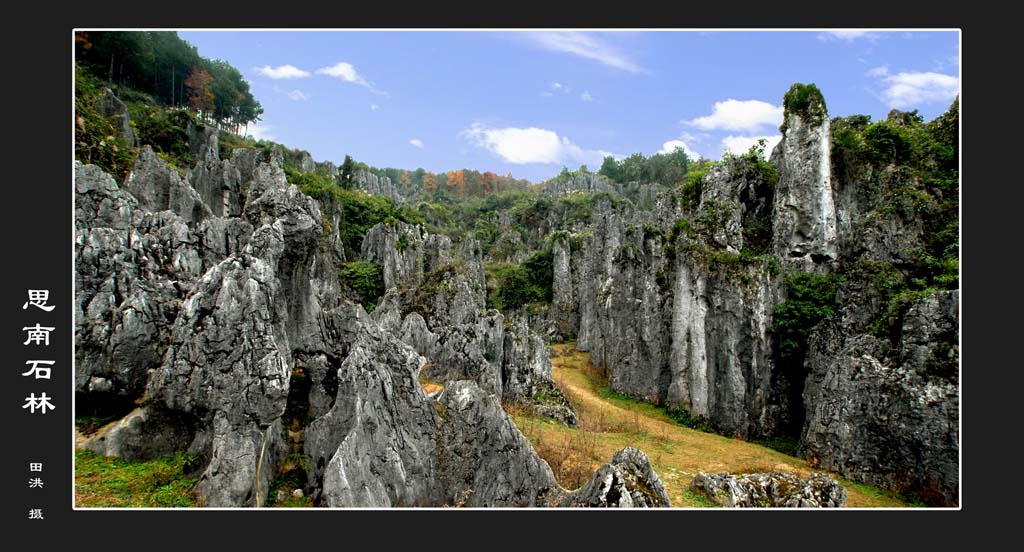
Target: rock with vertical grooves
{"points": [[804, 212], [159, 187], [376, 446], [891, 422], [374, 184], [628, 481], [483, 458], [113, 108], [770, 490], [228, 365]]}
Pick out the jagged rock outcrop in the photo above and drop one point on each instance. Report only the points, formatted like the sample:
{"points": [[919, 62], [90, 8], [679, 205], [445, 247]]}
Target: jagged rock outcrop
{"points": [[329, 168], [132, 270], [804, 211], [484, 459], [770, 490], [563, 312], [376, 185], [377, 445], [628, 481], [437, 299], [884, 420], [225, 184], [228, 365], [736, 205], [672, 318], [158, 187], [112, 107], [586, 182], [306, 163], [145, 433]]}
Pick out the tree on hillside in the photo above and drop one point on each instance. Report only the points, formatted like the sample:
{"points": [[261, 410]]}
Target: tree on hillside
{"points": [[345, 175], [611, 169], [429, 182], [200, 96], [158, 63]]}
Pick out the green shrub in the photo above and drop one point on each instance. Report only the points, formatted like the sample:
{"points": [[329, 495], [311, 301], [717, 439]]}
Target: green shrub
{"points": [[366, 279], [888, 142], [806, 101], [96, 140], [513, 285], [165, 130], [693, 183], [360, 211], [810, 299], [541, 270]]}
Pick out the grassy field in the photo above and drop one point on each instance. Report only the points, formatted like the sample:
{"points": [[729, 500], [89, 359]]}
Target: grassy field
{"points": [[609, 422], [105, 482]]}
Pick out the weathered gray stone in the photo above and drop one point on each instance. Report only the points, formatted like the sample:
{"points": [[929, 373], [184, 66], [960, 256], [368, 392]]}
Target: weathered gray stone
{"points": [[888, 422], [132, 270], [376, 185], [561, 414], [526, 363], [484, 460], [770, 490], [804, 211], [113, 108], [306, 163], [159, 187], [628, 481], [587, 182], [228, 365], [143, 434], [376, 446]]}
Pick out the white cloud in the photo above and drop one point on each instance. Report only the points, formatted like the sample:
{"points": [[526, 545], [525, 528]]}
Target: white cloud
{"points": [[417, 142], [532, 145], [260, 131], [282, 72], [878, 72], [848, 36], [585, 96], [693, 138], [374, 107], [737, 115], [297, 95], [557, 85], [671, 145], [347, 72], [584, 45], [742, 144], [905, 89]]}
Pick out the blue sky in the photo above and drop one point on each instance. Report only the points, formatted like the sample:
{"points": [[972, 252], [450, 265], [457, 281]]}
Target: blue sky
{"points": [[530, 102]]}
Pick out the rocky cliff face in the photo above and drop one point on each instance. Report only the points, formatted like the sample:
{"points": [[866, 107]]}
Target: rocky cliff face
{"points": [[212, 299], [377, 185], [678, 303], [587, 182], [227, 337], [888, 420], [436, 301], [669, 307], [804, 217]]}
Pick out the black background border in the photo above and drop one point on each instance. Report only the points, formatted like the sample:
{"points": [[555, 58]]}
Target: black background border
{"points": [[37, 112]]}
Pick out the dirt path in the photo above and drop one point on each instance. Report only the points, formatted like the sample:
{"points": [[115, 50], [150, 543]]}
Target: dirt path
{"points": [[608, 423]]}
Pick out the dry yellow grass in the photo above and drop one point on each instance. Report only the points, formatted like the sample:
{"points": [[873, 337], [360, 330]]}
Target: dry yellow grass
{"points": [[676, 452], [429, 386]]}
